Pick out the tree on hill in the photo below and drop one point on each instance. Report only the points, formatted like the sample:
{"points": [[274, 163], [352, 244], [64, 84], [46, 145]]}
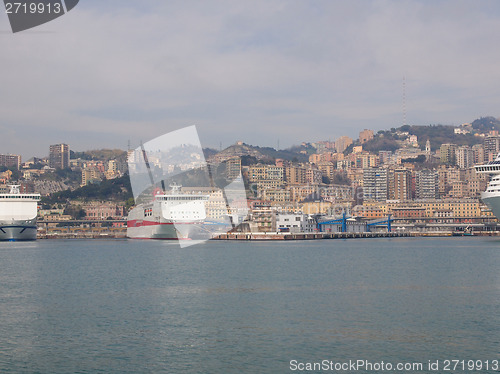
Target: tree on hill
{"points": [[118, 189], [485, 124], [99, 154], [384, 141]]}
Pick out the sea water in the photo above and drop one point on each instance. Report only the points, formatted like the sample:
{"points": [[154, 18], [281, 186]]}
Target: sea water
{"points": [[125, 306]]}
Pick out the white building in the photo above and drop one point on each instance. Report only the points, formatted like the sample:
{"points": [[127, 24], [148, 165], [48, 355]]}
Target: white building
{"points": [[295, 223]]}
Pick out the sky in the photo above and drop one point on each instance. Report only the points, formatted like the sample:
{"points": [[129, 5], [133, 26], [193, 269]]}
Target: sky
{"points": [[118, 71]]}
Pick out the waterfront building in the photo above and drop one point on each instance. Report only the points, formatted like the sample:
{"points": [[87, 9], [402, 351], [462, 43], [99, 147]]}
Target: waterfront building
{"points": [[286, 222], [59, 156], [457, 208], [368, 211], [263, 218], [316, 207], [103, 210]]}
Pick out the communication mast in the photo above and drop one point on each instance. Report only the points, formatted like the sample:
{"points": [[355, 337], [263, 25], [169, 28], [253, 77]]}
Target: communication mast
{"points": [[404, 101]]}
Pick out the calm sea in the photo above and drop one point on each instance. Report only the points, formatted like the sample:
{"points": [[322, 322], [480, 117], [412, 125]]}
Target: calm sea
{"points": [[246, 307]]}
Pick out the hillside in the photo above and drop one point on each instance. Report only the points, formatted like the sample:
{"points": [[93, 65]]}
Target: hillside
{"points": [[485, 124], [99, 154], [114, 189], [390, 140], [264, 154]]}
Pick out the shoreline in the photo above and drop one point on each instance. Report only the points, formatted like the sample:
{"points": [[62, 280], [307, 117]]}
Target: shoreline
{"points": [[256, 236]]}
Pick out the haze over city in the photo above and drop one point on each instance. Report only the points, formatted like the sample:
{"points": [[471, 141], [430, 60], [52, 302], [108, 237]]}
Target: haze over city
{"points": [[256, 71]]}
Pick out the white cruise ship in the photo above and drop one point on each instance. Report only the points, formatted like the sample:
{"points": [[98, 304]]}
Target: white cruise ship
{"points": [[175, 216], [18, 213], [491, 196]]}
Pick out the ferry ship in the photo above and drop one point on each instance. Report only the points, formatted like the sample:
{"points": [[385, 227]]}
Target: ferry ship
{"points": [[172, 216], [491, 196], [18, 212]]}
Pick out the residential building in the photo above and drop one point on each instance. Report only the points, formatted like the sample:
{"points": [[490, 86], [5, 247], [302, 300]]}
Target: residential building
{"points": [[447, 153], [263, 218], [10, 161], [295, 175], [427, 186], [478, 153], [90, 175], [342, 143], [464, 157], [59, 156], [402, 185], [491, 147], [233, 168], [375, 184]]}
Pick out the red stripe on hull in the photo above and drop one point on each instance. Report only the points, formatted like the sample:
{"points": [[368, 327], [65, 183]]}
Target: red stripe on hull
{"points": [[136, 223]]}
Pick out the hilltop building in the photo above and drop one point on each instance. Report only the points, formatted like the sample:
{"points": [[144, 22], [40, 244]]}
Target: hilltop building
{"points": [[365, 135], [59, 156], [10, 161]]}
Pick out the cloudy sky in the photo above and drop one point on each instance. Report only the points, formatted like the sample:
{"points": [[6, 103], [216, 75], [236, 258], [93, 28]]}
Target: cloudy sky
{"points": [[258, 71]]}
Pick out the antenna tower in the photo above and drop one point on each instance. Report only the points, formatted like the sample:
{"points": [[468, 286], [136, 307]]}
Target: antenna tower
{"points": [[404, 101]]}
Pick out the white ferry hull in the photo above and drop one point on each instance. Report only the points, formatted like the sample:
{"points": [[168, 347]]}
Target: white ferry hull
{"points": [[493, 203], [151, 230], [163, 231], [18, 231], [169, 217]]}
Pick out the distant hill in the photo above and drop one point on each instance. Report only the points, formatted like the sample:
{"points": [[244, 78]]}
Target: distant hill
{"points": [[264, 154], [440, 134], [391, 140], [99, 154], [485, 124], [118, 189]]}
